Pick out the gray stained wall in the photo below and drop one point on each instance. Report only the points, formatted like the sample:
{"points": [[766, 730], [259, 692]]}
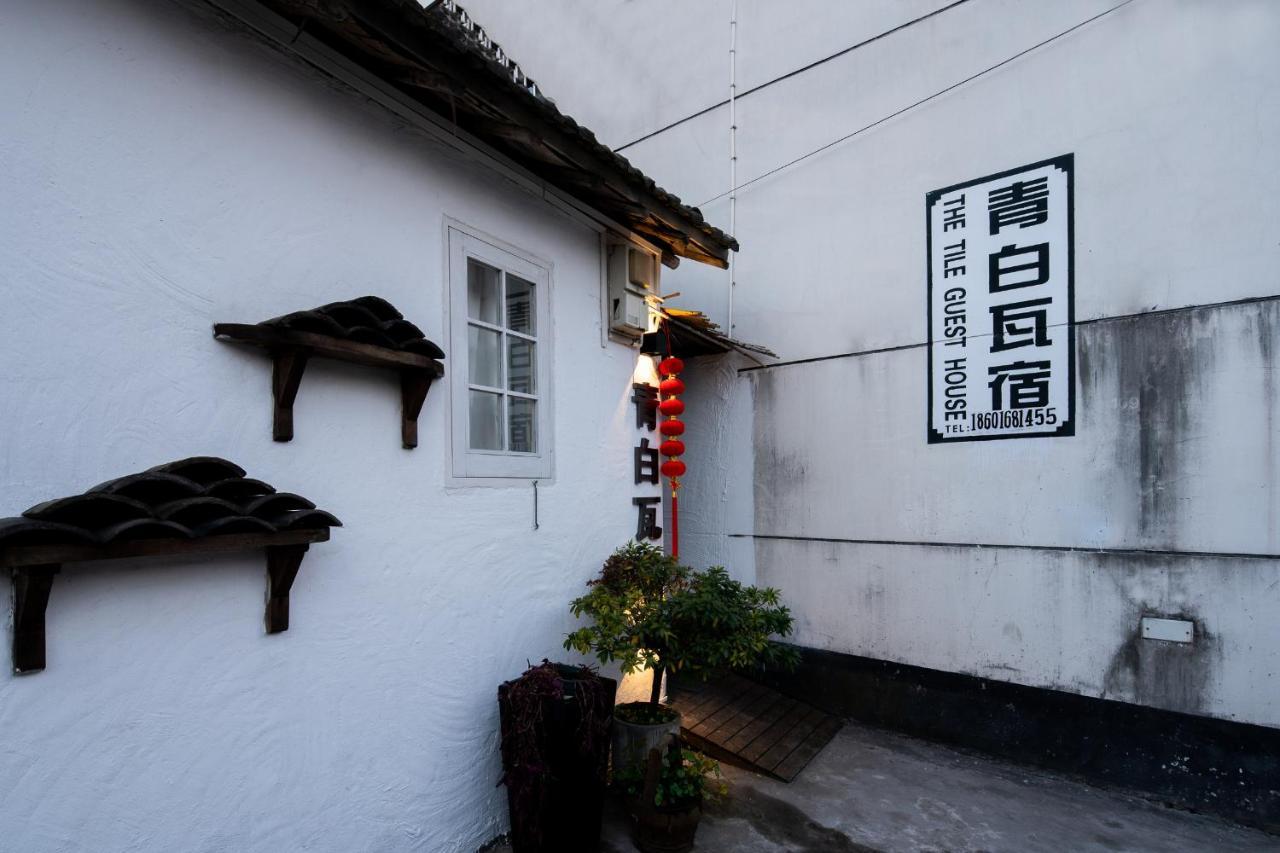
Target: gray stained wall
{"points": [[1030, 561]]}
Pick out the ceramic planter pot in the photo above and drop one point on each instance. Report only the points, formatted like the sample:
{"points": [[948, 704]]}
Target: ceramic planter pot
{"points": [[632, 741]]}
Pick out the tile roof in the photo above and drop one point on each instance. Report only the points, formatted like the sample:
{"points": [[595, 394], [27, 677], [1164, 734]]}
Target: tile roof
{"points": [[445, 61], [367, 320], [187, 499]]}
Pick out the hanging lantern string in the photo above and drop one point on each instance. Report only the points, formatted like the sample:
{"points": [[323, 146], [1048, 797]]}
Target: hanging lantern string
{"points": [[670, 389]]}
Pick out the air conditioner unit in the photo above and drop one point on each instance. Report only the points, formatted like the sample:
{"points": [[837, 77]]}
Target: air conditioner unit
{"points": [[632, 275]]}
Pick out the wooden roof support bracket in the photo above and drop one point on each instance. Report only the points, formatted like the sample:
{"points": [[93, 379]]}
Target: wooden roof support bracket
{"points": [[34, 568], [291, 351], [286, 375], [31, 587], [414, 385], [283, 562]]}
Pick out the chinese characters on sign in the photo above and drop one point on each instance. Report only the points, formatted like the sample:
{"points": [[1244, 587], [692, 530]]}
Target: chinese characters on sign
{"points": [[1001, 312], [648, 508]]}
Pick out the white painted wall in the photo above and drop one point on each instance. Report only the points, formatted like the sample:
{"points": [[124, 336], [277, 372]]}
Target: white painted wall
{"points": [[1170, 107], [161, 173]]}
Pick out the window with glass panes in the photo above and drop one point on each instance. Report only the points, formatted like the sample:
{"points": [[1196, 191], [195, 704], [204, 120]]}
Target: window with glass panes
{"points": [[499, 360], [502, 360]]}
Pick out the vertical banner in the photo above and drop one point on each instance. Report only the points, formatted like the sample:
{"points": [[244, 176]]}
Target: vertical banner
{"points": [[645, 463], [1001, 305]]}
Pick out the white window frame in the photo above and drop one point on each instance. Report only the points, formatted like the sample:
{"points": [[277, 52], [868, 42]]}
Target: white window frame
{"points": [[496, 467]]}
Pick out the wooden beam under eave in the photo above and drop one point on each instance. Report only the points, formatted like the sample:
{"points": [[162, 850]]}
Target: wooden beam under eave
{"points": [[431, 81], [522, 140]]}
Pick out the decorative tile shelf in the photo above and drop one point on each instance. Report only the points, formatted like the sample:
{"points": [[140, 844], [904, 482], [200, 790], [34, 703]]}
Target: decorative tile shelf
{"points": [[201, 505], [368, 331]]}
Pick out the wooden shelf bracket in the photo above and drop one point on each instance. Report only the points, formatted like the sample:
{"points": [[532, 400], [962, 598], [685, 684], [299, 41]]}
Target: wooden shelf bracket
{"points": [[291, 351], [31, 588], [286, 376], [283, 562], [34, 568]]}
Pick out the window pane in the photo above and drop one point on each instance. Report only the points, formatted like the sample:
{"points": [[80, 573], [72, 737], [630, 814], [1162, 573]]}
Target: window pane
{"points": [[483, 293], [523, 424], [520, 313], [485, 421], [484, 357], [521, 365]]}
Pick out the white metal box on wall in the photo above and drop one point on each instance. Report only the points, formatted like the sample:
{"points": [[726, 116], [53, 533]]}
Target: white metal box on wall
{"points": [[632, 278]]}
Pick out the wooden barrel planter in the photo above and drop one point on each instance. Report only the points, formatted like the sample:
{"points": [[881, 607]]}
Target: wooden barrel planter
{"points": [[555, 755], [665, 830]]}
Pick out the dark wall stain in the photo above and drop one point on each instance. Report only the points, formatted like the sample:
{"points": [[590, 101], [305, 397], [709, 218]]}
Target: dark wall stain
{"points": [[780, 470], [1158, 361], [1161, 365], [1266, 326], [1159, 673]]}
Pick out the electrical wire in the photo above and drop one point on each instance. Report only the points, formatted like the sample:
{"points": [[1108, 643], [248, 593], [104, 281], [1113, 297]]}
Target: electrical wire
{"points": [[912, 106], [792, 73]]}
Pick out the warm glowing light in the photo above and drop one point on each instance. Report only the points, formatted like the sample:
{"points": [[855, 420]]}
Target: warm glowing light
{"points": [[645, 373]]}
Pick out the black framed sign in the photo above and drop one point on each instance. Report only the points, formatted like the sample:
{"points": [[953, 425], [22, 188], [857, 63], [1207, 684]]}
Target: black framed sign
{"points": [[1002, 305]]}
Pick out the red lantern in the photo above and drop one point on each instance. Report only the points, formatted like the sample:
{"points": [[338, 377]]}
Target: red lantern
{"points": [[671, 387], [672, 447], [673, 468]]}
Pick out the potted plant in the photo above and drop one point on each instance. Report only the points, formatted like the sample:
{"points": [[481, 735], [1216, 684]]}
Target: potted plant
{"points": [[664, 797], [555, 728], [650, 612], [625, 604]]}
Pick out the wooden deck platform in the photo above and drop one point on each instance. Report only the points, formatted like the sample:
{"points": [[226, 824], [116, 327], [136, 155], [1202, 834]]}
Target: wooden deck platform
{"points": [[740, 722]]}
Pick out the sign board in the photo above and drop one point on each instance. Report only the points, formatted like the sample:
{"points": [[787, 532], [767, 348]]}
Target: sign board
{"points": [[1001, 305]]}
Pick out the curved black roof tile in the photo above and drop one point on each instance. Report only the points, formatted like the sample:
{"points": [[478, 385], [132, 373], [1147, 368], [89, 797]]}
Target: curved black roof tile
{"points": [[401, 330], [381, 308], [350, 314], [365, 320], [188, 498], [203, 469], [423, 347], [306, 519], [29, 531], [151, 487], [143, 528], [275, 504], [90, 511], [193, 511], [234, 524], [238, 489]]}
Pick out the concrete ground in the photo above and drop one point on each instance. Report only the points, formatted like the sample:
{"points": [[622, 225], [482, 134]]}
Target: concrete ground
{"points": [[872, 790]]}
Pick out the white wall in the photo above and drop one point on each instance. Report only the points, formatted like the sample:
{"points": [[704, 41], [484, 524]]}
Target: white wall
{"points": [[161, 173], [1170, 109]]}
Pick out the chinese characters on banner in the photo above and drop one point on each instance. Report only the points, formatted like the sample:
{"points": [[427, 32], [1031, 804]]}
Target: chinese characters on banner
{"points": [[646, 465], [1001, 312]]}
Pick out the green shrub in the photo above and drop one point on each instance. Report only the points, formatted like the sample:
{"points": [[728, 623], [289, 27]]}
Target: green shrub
{"points": [[648, 611]]}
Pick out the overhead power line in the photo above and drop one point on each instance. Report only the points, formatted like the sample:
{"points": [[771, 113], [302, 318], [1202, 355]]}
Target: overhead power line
{"points": [[790, 74], [912, 106]]}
